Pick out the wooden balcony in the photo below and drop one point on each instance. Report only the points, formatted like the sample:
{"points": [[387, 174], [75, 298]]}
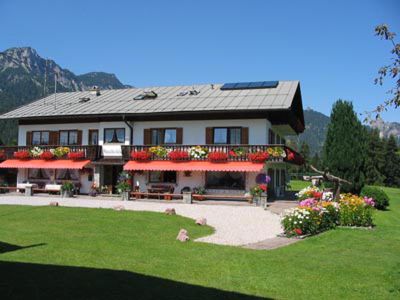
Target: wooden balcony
{"points": [[90, 152], [277, 153]]}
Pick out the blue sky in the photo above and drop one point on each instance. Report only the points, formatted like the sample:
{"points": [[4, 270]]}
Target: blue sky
{"points": [[328, 45]]}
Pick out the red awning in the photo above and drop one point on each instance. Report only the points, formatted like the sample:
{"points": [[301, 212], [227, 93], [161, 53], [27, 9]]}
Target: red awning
{"points": [[43, 164], [161, 165]]}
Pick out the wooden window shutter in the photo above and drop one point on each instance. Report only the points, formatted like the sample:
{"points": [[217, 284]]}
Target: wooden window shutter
{"points": [[209, 136], [179, 136], [53, 137], [147, 136], [29, 138], [79, 137], [245, 136]]}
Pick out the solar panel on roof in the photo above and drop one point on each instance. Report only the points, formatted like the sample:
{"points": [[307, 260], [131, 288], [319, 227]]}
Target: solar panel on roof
{"points": [[249, 85]]}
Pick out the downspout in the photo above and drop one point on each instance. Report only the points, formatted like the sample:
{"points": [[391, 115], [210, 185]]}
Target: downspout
{"points": [[131, 130]]}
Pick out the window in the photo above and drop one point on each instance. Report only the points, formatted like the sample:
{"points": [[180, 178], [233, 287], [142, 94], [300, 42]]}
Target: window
{"points": [[146, 95], [114, 135], [40, 137], [163, 136], [69, 137], [162, 177], [225, 180], [271, 137], [228, 135], [93, 137]]}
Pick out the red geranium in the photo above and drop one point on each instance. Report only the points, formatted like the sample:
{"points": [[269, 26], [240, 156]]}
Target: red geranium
{"points": [[178, 155], [232, 153], [47, 155], [264, 187], [258, 157], [217, 156], [317, 195], [23, 154], [140, 155], [76, 155], [298, 231], [290, 155]]}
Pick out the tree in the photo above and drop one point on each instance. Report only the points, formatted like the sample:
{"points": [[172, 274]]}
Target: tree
{"points": [[344, 147], [316, 161], [392, 69], [375, 159], [305, 152], [392, 163]]}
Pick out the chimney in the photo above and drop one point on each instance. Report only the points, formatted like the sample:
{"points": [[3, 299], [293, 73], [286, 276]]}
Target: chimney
{"points": [[95, 90]]}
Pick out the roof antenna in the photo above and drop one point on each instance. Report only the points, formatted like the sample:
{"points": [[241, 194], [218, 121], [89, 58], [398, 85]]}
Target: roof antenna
{"points": [[55, 90]]}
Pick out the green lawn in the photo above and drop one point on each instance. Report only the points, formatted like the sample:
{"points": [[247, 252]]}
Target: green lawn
{"points": [[297, 185], [57, 252]]}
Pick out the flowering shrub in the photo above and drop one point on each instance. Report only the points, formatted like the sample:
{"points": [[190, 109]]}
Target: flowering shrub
{"points": [[257, 190], [47, 155], [124, 182], [76, 155], [198, 152], [217, 156], [60, 152], [23, 154], [355, 210], [36, 152], [159, 151], [178, 155], [258, 157], [140, 155], [380, 198]]}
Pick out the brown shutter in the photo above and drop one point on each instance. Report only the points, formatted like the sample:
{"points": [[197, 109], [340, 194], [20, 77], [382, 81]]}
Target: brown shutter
{"points": [[79, 137], [179, 136], [54, 136], [245, 135], [209, 136], [29, 138], [147, 136]]}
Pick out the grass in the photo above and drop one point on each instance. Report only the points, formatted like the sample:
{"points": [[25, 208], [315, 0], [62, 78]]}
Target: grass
{"points": [[297, 185], [58, 252]]}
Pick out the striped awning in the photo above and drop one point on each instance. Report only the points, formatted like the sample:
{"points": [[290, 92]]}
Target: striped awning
{"points": [[44, 164], [164, 165]]}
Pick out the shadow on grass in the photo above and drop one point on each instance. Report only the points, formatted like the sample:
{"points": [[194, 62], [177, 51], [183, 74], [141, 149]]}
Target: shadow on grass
{"points": [[6, 247], [37, 281]]}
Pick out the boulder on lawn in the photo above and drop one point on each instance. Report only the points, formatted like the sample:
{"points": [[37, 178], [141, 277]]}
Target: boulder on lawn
{"points": [[54, 203], [182, 235], [170, 211], [201, 221], [119, 207]]}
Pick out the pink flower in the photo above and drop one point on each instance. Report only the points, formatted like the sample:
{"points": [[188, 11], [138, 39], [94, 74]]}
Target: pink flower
{"points": [[309, 202], [369, 201]]}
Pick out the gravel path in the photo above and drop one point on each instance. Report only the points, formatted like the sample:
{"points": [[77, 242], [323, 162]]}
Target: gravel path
{"points": [[234, 225]]}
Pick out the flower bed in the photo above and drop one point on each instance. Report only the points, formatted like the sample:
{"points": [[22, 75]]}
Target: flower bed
{"points": [[76, 155], [258, 157], [217, 156], [319, 212], [140, 155], [178, 155], [23, 154]]}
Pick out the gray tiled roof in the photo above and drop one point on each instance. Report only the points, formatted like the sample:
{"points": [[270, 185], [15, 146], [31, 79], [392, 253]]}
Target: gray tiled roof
{"points": [[121, 101]]}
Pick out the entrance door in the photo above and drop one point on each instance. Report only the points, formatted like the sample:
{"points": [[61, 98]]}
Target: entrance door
{"points": [[111, 174], [271, 185]]}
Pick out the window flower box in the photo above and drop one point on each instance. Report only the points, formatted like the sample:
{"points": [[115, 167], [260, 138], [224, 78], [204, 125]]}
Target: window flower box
{"points": [[198, 152], [60, 152], [76, 155], [23, 154], [140, 155], [217, 156], [178, 155], [258, 157], [47, 155]]}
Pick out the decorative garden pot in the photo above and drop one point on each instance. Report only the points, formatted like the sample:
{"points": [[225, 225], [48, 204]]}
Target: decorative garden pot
{"points": [[125, 196], [67, 194]]}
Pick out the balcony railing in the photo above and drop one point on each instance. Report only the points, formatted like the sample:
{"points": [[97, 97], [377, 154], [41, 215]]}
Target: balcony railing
{"points": [[90, 152], [277, 153]]}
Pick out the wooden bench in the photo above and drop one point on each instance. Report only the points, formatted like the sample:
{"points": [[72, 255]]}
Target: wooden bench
{"points": [[165, 196], [8, 188], [248, 198]]}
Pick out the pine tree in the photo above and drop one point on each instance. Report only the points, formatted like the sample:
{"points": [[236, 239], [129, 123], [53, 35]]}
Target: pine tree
{"points": [[344, 147], [375, 159], [316, 161], [305, 152], [392, 163]]}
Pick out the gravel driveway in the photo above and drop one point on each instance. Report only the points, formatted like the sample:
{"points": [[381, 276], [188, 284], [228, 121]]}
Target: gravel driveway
{"points": [[234, 225]]}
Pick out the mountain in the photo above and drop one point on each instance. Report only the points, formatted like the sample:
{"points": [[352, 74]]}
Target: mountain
{"points": [[386, 129], [25, 76]]}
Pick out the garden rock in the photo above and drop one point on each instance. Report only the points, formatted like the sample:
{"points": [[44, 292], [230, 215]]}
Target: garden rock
{"points": [[119, 207], [54, 203], [182, 235], [201, 221], [170, 211]]}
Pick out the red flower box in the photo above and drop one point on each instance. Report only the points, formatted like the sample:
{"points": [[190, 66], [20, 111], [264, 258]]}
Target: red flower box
{"points": [[258, 157], [178, 155], [76, 155], [140, 155], [23, 154], [47, 155], [217, 156]]}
